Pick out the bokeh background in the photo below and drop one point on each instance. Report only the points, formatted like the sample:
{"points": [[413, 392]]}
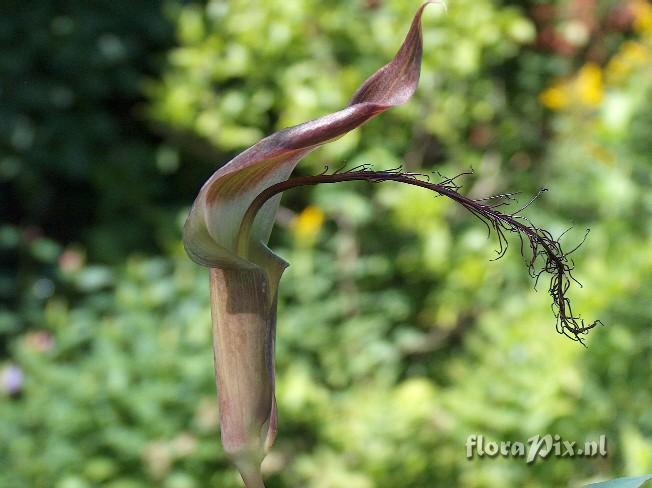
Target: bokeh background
{"points": [[398, 335]]}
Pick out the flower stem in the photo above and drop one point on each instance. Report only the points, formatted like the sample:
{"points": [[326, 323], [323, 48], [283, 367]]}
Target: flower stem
{"points": [[244, 323]]}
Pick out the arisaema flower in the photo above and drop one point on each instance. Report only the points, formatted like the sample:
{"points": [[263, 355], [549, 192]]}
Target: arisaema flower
{"points": [[244, 273], [229, 226]]}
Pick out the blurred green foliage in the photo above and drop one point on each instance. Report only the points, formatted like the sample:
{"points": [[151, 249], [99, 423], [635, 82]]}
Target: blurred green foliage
{"points": [[398, 336]]}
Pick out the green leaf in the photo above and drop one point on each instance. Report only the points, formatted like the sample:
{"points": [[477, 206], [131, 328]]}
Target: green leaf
{"points": [[629, 482]]}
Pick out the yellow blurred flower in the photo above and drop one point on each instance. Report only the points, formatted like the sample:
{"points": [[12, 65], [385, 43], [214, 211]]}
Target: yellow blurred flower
{"points": [[642, 11], [589, 86], [307, 224], [585, 89], [556, 97], [634, 52], [630, 55]]}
